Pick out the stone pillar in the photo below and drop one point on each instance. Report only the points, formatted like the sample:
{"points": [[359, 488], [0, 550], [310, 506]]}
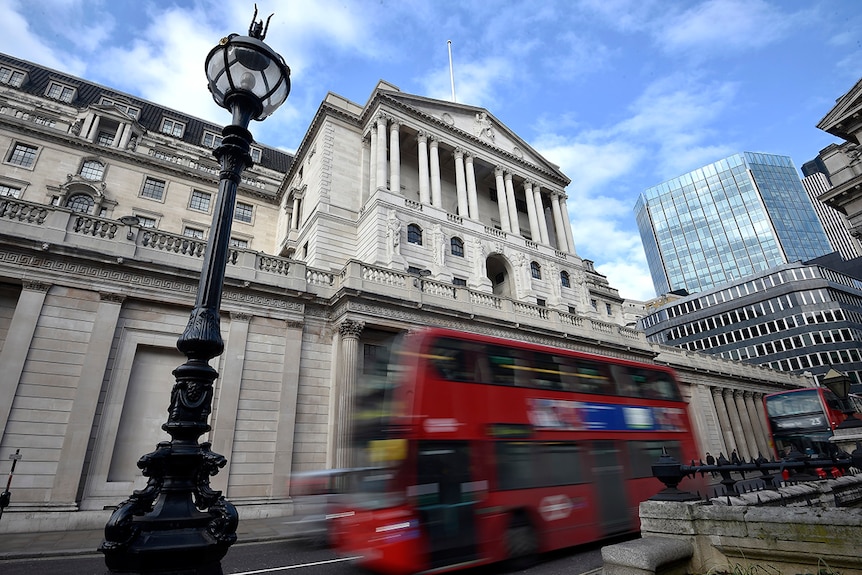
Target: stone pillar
{"points": [[287, 408], [472, 198], [118, 135], [394, 157], [372, 167], [364, 180], [570, 241], [735, 425], [424, 187], [755, 416], [436, 194], [562, 242], [294, 216], [381, 151], [87, 125], [540, 214], [86, 398], [723, 420], [127, 136], [94, 129], [501, 200], [350, 331], [229, 382], [513, 207], [535, 234], [750, 439], [17, 344], [461, 183]]}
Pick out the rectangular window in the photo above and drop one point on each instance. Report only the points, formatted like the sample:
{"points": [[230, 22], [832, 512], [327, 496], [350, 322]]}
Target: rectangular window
{"points": [[146, 222], [105, 138], [129, 110], [193, 233], [23, 155], [212, 140], [10, 191], [608, 308], [459, 281], [238, 243], [243, 212], [173, 128], [256, 155], [60, 92], [153, 188], [12, 77], [200, 201]]}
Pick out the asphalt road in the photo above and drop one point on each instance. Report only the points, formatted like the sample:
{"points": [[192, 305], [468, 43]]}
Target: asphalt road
{"points": [[298, 559]]}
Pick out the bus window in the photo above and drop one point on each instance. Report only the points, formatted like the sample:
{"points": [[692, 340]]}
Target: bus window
{"points": [[502, 365], [546, 372], [449, 359], [530, 464], [562, 463], [592, 377]]}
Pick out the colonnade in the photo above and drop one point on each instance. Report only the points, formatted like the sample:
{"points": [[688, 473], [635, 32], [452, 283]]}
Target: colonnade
{"points": [[385, 136], [741, 422]]}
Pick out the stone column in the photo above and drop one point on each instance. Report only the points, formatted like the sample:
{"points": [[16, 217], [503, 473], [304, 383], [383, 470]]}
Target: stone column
{"points": [[127, 136], [87, 125], [567, 227], [381, 151], [94, 129], [372, 167], [513, 207], [735, 425], [17, 344], [723, 420], [501, 200], [229, 385], [86, 397], [287, 408], [394, 157], [350, 331], [540, 214], [363, 175], [755, 416], [461, 183], [118, 135], [294, 216], [562, 242], [750, 438], [535, 234], [424, 188], [436, 194], [472, 198]]}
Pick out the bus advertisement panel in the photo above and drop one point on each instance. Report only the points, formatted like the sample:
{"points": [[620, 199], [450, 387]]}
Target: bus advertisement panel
{"points": [[498, 450]]}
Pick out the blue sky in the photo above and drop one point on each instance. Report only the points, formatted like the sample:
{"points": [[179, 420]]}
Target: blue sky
{"points": [[621, 94]]}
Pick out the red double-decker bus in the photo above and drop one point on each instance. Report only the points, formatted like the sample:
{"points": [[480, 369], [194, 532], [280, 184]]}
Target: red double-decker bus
{"points": [[803, 420], [494, 450]]}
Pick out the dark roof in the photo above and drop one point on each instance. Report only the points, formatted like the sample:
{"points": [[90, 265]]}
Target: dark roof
{"points": [[88, 93]]}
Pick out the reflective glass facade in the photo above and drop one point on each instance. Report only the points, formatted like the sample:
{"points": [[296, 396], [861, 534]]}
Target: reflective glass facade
{"points": [[730, 219]]}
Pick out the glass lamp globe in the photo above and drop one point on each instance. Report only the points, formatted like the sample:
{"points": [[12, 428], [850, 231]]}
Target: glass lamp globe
{"points": [[242, 67]]}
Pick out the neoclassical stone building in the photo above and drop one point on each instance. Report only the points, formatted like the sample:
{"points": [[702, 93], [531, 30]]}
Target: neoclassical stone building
{"points": [[393, 215]]}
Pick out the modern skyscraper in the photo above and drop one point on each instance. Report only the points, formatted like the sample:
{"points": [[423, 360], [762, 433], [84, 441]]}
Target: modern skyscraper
{"points": [[727, 220]]}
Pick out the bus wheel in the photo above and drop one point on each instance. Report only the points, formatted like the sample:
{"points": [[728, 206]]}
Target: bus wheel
{"points": [[522, 545]]}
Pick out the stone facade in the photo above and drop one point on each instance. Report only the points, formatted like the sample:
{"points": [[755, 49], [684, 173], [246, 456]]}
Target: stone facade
{"points": [[402, 213]]}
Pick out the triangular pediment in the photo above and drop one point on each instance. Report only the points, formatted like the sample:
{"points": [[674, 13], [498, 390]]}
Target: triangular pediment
{"points": [[844, 114], [475, 123]]}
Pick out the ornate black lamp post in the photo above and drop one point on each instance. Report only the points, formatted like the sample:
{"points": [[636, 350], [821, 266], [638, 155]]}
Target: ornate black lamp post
{"points": [[177, 524]]}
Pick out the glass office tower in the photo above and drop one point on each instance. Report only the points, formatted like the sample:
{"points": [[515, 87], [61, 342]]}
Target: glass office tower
{"points": [[735, 217]]}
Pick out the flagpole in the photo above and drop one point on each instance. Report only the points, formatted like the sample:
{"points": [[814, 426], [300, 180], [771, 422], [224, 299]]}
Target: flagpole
{"points": [[451, 72]]}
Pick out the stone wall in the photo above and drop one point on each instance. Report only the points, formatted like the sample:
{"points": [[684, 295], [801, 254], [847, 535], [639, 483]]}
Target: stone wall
{"points": [[793, 530]]}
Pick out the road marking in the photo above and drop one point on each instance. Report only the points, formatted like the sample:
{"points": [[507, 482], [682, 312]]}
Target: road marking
{"points": [[287, 567]]}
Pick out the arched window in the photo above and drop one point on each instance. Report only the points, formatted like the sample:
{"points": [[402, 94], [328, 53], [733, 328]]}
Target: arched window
{"points": [[536, 270], [414, 234], [564, 279], [80, 203], [92, 170], [457, 246]]}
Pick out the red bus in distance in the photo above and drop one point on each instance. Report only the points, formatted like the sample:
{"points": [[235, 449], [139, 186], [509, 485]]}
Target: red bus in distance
{"points": [[803, 420], [495, 450]]}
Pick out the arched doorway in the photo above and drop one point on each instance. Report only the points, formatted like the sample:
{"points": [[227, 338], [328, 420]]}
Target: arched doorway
{"points": [[499, 271]]}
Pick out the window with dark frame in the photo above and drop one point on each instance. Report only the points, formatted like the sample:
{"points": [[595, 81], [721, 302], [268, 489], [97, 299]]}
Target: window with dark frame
{"points": [[10, 191], [81, 203], [195, 233], [536, 270], [153, 189], [414, 234], [243, 212], [200, 201], [564, 279], [23, 155], [457, 247]]}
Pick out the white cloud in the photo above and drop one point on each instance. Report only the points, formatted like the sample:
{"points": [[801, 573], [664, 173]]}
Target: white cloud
{"points": [[17, 37]]}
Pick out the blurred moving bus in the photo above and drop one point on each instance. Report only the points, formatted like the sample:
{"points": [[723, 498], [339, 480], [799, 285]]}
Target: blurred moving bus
{"points": [[501, 450], [803, 420]]}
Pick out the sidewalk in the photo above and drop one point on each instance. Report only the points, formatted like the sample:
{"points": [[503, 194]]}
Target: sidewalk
{"points": [[63, 543]]}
